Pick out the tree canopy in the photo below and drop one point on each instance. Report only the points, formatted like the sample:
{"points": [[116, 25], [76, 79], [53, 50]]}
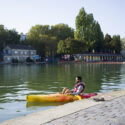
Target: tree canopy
{"points": [[116, 44], [107, 43], [123, 43], [62, 39], [70, 46], [62, 31], [88, 31], [8, 37], [45, 38]]}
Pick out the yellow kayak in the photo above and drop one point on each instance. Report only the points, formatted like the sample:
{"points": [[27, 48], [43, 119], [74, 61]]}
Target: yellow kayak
{"points": [[52, 98]]}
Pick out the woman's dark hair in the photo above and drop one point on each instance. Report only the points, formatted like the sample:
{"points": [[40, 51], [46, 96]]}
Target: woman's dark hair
{"points": [[79, 78]]}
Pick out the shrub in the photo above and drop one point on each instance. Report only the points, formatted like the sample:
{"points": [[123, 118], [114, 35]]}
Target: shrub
{"points": [[14, 60], [29, 59]]}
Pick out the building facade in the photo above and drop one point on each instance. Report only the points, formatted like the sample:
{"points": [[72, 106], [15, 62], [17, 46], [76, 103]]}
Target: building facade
{"points": [[98, 57], [23, 37], [93, 57], [18, 52]]}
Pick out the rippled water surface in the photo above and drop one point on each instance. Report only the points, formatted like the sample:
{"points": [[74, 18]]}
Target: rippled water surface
{"points": [[17, 81]]}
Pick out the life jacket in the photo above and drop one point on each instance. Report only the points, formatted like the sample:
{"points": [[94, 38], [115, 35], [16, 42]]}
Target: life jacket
{"points": [[77, 85]]}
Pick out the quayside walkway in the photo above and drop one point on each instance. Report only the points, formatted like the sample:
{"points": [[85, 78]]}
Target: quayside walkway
{"points": [[107, 113], [83, 112]]}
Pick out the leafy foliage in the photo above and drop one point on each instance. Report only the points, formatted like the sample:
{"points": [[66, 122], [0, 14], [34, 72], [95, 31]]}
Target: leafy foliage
{"points": [[28, 59], [45, 38], [14, 60], [88, 31], [70, 46], [8, 37], [116, 44], [123, 43], [62, 39], [107, 43], [62, 31]]}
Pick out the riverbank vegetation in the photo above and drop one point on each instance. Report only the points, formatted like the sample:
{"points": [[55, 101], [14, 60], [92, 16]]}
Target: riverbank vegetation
{"points": [[62, 39], [8, 37]]}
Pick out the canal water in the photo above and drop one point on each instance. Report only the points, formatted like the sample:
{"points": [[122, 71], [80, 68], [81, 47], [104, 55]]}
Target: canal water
{"points": [[17, 81]]}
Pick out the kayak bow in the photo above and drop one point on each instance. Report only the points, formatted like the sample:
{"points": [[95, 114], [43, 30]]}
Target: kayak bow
{"points": [[57, 97]]}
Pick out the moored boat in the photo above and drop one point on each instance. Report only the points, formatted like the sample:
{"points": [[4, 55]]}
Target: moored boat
{"points": [[57, 97]]}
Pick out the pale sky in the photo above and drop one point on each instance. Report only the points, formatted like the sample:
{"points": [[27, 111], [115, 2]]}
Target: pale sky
{"points": [[23, 14]]}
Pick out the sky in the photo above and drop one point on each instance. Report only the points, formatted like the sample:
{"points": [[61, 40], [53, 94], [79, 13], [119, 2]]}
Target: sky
{"points": [[23, 14]]}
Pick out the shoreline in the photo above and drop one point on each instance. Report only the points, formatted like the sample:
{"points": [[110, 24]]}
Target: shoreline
{"points": [[108, 62], [60, 112], [65, 62]]}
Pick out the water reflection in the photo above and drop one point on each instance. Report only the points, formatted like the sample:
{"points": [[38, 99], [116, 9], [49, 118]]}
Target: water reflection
{"points": [[43, 104], [16, 81], [113, 78]]}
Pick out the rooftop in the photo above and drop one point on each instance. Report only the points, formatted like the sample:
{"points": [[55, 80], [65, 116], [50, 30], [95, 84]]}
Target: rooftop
{"points": [[26, 47]]}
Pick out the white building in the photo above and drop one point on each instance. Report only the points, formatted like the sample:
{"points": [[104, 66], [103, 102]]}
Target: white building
{"points": [[23, 37], [19, 52]]}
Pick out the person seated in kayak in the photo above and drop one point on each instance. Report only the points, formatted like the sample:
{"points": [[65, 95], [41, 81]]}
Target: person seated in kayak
{"points": [[78, 88]]}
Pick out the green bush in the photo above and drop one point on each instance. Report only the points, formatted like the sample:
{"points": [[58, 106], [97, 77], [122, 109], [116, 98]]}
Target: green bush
{"points": [[29, 59], [14, 60]]}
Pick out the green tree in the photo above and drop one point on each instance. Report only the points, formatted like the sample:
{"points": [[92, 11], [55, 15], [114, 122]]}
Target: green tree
{"points": [[3, 37], [13, 37], [123, 43], [70, 46], [98, 37], [88, 31], [44, 38], [116, 44], [36, 37], [123, 47], [107, 43], [8, 37], [50, 45], [62, 31], [38, 30], [40, 37]]}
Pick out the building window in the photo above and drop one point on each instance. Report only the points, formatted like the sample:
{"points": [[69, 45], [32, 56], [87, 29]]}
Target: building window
{"points": [[8, 58], [6, 51], [21, 52], [25, 52], [16, 52], [9, 51], [31, 53]]}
